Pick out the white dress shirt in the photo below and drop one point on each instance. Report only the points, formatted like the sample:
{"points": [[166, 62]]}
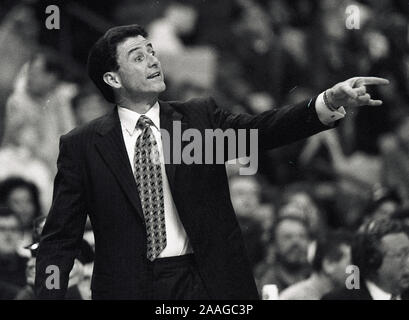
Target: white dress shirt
{"points": [[177, 242], [377, 293], [325, 115]]}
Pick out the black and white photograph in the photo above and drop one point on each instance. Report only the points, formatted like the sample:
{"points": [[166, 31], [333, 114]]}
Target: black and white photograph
{"points": [[217, 151]]}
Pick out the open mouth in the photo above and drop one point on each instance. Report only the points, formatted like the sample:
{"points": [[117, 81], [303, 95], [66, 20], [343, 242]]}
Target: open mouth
{"points": [[154, 75]]}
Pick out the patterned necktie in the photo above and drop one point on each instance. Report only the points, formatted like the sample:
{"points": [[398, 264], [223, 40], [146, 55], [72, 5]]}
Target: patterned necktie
{"points": [[148, 178]]}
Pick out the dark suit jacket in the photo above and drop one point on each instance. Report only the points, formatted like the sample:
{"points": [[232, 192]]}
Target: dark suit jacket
{"points": [[348, 294], [95, 178], [353, 294]]}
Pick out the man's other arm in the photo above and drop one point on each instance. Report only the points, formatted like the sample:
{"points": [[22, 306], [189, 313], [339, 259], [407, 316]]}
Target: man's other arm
{"points": [[280, 126], [64, 227]]}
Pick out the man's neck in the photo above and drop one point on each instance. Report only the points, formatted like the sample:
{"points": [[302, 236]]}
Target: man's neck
{"points": [[138, 105]]}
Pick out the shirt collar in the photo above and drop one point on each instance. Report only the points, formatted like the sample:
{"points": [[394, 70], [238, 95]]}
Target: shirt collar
{"points": [[377, 293], [130, 118]]}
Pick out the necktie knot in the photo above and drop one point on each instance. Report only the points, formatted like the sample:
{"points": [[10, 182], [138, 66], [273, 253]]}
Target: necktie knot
{"points": [[144, 122]]}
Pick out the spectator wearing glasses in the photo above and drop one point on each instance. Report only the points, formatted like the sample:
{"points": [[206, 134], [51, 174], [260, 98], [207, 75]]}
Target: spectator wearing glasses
{"points": [[381, 252]]}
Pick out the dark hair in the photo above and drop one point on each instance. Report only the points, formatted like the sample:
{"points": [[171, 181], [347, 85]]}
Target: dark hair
{"points": [[103, 56], [366, 252], [289, 218], [52, 63], [401, 213], [12, 183], [6, 212], [329, 247], [381, 195]]}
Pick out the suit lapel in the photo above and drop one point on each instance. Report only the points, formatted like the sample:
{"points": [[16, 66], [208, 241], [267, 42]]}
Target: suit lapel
{"points": [[111, 147]]}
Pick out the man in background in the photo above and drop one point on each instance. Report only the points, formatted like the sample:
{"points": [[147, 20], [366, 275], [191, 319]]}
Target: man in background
{"points": [[41, 105], [288, 254], [381, 252], [332, 256]]}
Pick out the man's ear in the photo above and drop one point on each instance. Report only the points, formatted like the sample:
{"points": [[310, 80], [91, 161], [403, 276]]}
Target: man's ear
{"points": [[112, 79]]}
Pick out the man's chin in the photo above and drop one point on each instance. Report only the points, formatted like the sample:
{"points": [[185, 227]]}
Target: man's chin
{"points": [[293, 264], [160, 87]]}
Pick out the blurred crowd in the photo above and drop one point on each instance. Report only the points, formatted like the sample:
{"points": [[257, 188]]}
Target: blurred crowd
{"points": [[315, 207]]}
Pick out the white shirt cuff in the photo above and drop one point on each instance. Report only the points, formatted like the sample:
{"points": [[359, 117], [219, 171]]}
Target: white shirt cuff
{"points": [[325, 115]]}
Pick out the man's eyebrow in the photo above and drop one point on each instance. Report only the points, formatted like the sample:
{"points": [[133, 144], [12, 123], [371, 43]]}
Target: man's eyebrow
{"points": [[133, 50], [137, 48]]}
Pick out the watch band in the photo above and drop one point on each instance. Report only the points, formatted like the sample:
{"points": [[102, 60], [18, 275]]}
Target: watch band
{"points": [[328, 104]]}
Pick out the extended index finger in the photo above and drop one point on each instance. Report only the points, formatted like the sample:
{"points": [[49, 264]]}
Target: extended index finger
{"points": [[372, 81]]}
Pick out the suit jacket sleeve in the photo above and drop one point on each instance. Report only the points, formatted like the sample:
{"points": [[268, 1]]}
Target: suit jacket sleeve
{"points": [[63, 231], [276, 127]]}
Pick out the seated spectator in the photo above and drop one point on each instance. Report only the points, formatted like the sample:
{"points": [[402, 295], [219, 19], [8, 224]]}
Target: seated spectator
{"points": [[17, 161], [287, 261], [41, 101], [300, 203], [22, 197], [332, 256], [384, 203], [77, 290], [12, 265], [381, 252]]}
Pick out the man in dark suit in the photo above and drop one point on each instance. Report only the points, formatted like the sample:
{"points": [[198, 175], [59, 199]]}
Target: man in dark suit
{"points": [[163, 230], [381, 253]]}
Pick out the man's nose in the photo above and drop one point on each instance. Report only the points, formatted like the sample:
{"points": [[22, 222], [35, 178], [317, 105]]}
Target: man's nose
{"points": [[153, 61]]}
